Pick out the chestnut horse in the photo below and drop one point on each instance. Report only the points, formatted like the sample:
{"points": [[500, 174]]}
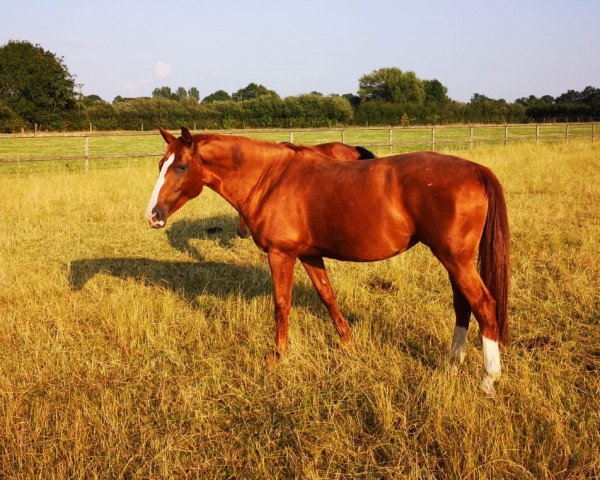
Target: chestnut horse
{"points": [[302, 205], [335, 150]]}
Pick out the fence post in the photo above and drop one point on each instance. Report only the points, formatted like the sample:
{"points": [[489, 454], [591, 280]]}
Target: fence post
{"points": [[566, 132], [537, 134], [343, 136], [433, 138], [505, 135], [291, 136], [86, 152], [390, 139], [470, 136]]}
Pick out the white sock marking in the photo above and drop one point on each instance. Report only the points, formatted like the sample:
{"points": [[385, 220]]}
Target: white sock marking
{"points": [[491, 357], [159, 183]]}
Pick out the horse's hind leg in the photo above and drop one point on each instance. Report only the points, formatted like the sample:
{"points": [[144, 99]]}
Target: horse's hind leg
{"points": [[462, 310], [315, 268], [466, 279]]}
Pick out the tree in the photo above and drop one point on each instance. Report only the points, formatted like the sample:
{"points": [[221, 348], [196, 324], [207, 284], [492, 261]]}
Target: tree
{"points": [[35, 83], [252, 90], [353, 99], [392, 85], [163, 92], [9, 120], [478, 97], [218, 96], [591, 96], [547, 99], [194, 94], [435, 92], [181, 94], [89, 100]]}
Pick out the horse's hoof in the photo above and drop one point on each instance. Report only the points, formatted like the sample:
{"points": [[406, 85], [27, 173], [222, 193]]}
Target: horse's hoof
{"points": [[457, 358], [271, 359], [487, 386]]}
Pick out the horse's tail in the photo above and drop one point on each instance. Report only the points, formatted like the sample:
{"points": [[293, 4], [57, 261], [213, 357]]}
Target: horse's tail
{"points": [[364, 153], [494, 263]]}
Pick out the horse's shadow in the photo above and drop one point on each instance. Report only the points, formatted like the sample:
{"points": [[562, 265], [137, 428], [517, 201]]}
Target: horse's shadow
{"points": [[192, 279], [188, 279], [222, 227]]}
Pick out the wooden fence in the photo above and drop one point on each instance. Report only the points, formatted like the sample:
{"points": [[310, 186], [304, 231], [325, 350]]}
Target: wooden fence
{"points": [[85, 147]]}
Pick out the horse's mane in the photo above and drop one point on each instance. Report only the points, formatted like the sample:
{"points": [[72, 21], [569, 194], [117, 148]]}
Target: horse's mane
{"points": [[294, 147], [207, 137], [364, 153]]}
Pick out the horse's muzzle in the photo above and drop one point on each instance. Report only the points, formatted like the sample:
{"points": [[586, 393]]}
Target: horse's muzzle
{"points": [[243, 232], [157, 218]]}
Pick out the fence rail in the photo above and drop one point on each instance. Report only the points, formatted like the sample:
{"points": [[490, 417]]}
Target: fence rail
{"points": [[88, 146]]}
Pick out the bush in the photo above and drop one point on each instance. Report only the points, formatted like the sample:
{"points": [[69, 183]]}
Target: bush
{"points": [[10, 122]]}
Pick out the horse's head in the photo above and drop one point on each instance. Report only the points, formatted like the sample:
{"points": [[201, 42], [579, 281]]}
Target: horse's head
{"points": [[179, 180]]}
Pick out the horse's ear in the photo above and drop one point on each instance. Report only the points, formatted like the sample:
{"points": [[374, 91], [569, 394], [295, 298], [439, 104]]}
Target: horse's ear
{"points": [[166, 135], [186, 137]]}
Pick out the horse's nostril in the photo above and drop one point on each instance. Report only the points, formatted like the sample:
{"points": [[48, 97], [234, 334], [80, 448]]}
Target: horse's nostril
{"points": [[156, 215], [243, 233]]}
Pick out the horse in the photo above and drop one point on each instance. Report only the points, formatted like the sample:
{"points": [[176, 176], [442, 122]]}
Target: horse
{"points": [[336, 150], [301, 205]]}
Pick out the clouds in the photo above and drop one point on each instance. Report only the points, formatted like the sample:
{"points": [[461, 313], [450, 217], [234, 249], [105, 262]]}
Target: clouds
{"points": [[162, 70], [133, 86]]}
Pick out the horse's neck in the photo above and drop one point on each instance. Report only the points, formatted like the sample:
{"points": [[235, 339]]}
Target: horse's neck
{"points": [[235, 171]]}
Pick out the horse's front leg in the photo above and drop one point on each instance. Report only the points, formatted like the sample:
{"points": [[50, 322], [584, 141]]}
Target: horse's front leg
{"points": [[282, 270]]}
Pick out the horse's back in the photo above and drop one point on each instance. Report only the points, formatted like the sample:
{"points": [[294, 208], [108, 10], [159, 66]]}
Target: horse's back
{"points": [[369, 210]]}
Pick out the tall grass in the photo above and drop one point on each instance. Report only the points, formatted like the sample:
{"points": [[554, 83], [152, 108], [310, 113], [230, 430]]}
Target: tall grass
{"points": [[131, 353]]}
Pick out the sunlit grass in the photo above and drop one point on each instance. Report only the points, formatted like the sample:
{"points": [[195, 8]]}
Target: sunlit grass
{"points": [[134, 353]]}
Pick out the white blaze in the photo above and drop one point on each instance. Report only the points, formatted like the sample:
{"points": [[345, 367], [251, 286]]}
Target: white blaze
{"points": [[159, 183]]}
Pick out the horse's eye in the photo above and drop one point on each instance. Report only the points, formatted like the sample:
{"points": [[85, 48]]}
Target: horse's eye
{"points": [[181, 168]]}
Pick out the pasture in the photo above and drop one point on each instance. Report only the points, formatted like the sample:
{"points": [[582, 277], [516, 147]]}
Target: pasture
{"points": [[133, 353]]}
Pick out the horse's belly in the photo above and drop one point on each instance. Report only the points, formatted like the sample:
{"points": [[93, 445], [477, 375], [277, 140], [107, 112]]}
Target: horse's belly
{"points": [[363, 243]]}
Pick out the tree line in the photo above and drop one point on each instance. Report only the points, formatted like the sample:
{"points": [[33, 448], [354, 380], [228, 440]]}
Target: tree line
{"points": [[38, 91]]}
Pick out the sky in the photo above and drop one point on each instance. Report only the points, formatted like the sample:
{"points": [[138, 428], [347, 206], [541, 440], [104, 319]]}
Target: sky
{"points": [[502, 49]]}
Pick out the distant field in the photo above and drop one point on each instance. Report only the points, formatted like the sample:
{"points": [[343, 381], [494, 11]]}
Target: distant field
{"points": [[134, 353], [131, 146]]}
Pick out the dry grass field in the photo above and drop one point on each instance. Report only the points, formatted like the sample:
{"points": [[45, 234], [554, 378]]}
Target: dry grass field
{"points": [[133, 353]]}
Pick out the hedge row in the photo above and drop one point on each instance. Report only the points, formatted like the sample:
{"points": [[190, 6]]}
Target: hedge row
{"points": [[265, 111], [270, 111]]}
